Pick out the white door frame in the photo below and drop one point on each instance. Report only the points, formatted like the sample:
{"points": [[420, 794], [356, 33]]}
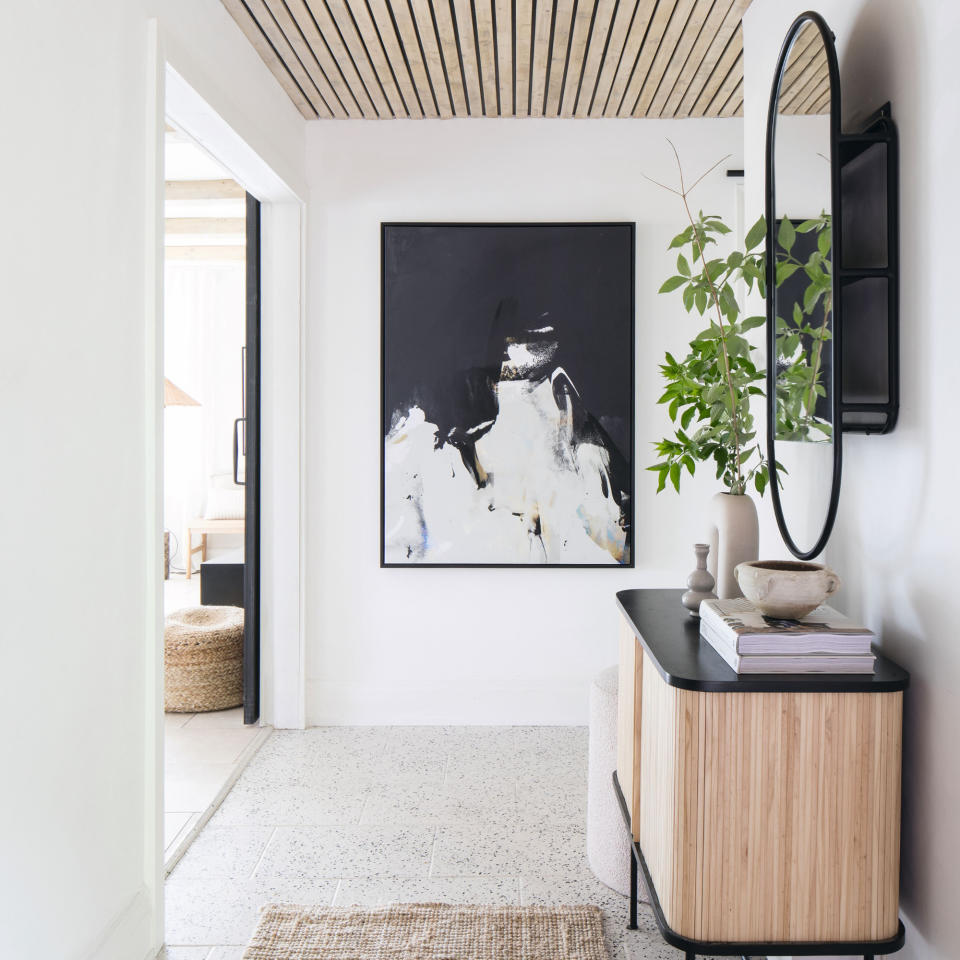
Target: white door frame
{"points": [[283, 231], [282, 235]]}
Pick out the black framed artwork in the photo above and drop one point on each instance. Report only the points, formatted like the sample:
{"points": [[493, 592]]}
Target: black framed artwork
{"points": [[507, 394]]}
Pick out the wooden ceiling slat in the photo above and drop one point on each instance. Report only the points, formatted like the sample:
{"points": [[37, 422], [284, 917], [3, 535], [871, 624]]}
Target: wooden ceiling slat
{"points": [[734, 102], [541, 56], [314, 55], [805, 49], [718, 75], [563, 22], [438, 14], [728, 85], [814, 96], [483, 19], [685, 95], [260, 43], [383, 20], [462, 15], [682, 74], [377, 59], [503, 22], [685, 24], [583, 23], [412, 48], [657, 28], [795, 94], [422, 16], [597, 44], [359, 32], [313, 87], [630, 55], [524, 41], [823, 104], [624, 16], [317, 21]]}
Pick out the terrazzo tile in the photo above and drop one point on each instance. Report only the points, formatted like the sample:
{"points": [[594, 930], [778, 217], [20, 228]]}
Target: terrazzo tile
{"points": [[253, 803], [224, 852], [332, 742], [483, 786], [386, 890], [309, 769], [552, 803], [471, 849], [226, 911], [361, 851], [396, 803]]}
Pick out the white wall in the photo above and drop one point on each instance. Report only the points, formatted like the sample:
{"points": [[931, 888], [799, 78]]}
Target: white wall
{"points": [[74, 495], [476, 646], [79, 871], [897, 529]]}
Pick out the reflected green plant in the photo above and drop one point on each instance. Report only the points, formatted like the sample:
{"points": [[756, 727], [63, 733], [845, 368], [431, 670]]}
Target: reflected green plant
{"points": [[801, 336]]}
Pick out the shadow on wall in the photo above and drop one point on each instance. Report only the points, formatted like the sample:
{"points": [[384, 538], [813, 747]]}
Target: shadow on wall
{"points": [[887, 56]]}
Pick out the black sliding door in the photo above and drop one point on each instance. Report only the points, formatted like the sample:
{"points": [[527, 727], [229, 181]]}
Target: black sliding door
{"points": [[251, 564]]}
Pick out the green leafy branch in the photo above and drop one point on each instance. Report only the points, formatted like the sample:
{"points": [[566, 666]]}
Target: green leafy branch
{"points": [[709, 391], [800, 339]]}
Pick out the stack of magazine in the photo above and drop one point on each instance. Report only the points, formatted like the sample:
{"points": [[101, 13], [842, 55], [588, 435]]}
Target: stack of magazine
{"points": [[824, 641]]}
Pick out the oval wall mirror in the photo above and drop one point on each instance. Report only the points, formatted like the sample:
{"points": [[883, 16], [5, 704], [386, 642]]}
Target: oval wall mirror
{"points": [[803, 328]]}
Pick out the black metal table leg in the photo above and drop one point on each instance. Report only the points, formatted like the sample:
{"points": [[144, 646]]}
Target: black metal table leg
{"points": [[632, 925]]}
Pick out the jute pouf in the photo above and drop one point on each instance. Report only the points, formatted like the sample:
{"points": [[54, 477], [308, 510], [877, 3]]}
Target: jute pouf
{"points": [[608, 840], [428, 931], [203, 659]]}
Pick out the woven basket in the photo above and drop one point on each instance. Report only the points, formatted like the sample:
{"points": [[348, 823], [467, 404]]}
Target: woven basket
{"points": [[203, 659]]}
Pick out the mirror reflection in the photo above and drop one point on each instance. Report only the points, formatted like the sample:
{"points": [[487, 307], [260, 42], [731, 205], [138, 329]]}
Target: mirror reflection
{"points": [[804, 294]]}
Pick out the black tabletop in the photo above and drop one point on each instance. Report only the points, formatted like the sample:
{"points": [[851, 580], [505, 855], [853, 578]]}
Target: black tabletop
{"points": [[672, 639]]}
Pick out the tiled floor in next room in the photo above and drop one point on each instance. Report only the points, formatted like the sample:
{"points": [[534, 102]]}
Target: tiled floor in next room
{"points": [[368, 815]]}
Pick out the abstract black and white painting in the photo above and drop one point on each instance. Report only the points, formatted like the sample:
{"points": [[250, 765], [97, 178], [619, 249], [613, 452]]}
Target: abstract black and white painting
{"points": [[507, 394]]}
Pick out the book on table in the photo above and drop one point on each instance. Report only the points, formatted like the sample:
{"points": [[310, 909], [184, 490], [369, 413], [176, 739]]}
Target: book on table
{"points": [[744, 663], [747, 631]]}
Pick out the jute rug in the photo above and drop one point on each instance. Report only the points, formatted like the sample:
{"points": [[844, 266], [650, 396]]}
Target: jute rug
{"points": [[428, 931]]}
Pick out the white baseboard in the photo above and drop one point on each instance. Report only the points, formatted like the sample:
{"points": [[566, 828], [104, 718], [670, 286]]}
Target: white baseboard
{"points": [[557, 702]]}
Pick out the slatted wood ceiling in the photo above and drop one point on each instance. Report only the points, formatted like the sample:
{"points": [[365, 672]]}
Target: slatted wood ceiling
{"points": [[806, 81], [502, 58]]}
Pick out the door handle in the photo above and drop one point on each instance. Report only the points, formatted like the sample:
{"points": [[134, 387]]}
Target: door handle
{"points": [[236, 452]]}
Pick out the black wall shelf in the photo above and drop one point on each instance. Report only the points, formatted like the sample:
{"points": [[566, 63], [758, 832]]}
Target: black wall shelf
{"points": [[868, 276]]}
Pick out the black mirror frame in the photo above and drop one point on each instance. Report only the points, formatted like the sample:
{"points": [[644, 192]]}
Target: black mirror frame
{"points": [[836, 227]]}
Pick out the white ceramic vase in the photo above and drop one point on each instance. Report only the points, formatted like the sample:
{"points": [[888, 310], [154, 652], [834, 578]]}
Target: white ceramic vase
{"points": [[735, 538]]}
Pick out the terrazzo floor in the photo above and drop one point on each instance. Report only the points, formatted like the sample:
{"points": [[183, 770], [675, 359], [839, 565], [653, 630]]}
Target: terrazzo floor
{"points": [[370, 815]]}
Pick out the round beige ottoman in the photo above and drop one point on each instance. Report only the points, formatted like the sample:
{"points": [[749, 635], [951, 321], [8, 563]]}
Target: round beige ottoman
{"points": [[608, 840], [203, 659]]}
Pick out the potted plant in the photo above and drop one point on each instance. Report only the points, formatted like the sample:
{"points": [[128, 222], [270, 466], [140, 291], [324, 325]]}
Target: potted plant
{"points": [[709, 391]]}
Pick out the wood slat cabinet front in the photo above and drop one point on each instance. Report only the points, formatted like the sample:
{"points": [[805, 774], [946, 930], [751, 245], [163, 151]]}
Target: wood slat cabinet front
{"points": [[763, 816]]}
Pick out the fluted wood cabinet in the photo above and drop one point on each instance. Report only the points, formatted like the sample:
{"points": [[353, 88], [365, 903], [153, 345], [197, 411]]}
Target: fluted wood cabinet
{"points": [[764, 809]]}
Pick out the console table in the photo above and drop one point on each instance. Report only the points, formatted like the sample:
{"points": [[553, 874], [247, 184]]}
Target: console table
{"points": [[764, 809]]}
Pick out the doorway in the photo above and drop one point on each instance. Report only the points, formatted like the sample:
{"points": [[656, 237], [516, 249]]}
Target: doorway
{"points": [[211, 367]]}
